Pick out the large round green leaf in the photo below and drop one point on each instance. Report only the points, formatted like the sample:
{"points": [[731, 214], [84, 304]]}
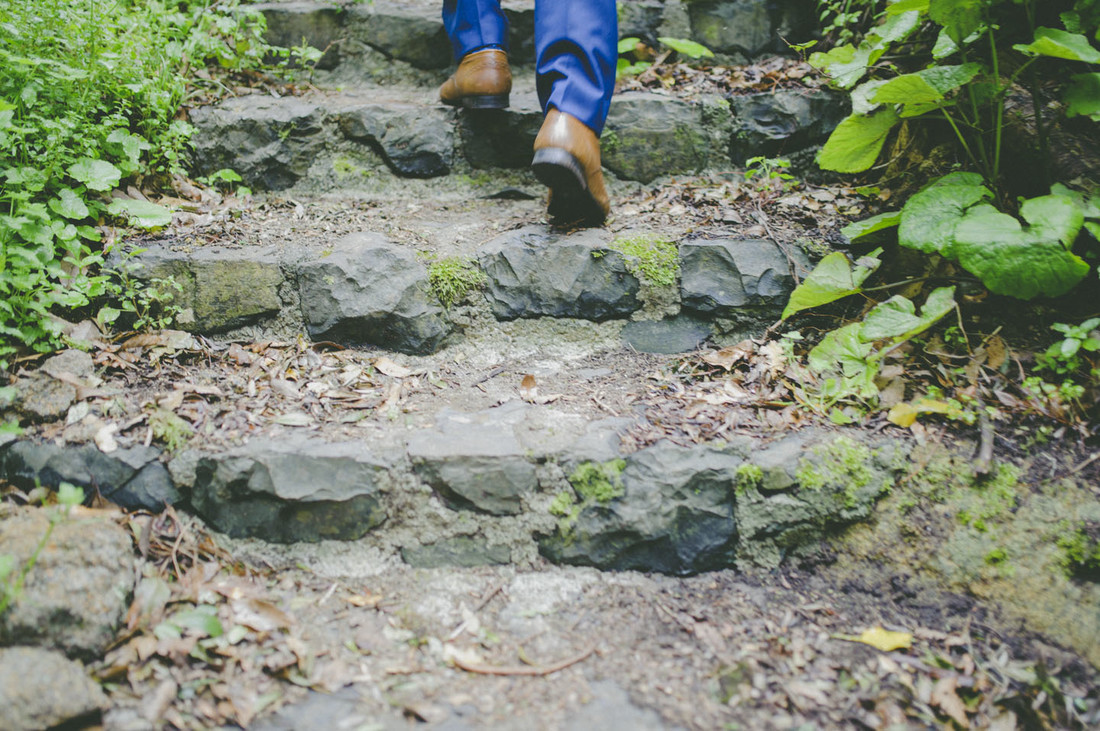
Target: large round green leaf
{"points": [[929, 218], [96, 174]]}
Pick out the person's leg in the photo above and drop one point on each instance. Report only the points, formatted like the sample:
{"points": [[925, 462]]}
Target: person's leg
{"points": [[479, 35], [474, 24], [576, 53]]}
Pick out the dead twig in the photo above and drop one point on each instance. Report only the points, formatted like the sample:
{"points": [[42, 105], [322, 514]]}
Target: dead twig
{"points": [[526, 670]]}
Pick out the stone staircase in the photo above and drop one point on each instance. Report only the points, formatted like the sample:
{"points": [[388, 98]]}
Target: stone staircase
{"points": [[367, 180]]}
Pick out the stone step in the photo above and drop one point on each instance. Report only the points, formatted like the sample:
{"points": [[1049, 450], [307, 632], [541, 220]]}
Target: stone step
{"points": [[503, 484], [363, 40], [353, 139], [365, 289]]}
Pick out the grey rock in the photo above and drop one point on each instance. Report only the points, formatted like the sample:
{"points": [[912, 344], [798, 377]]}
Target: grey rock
{"points": [[407, 32], [42, 689], [40, 397], [70, 362], [369, 291], [533, 273], [415, 141], [640, 18], [134, 477], [521, 33], [76, 595], [502, 138], [676, 515], [459, 551], [743, 27], [783, 121], [224, 288], [270, 142], [611, 707], [812, 483], [689, 136], [475, 461], [736, 276], [295, 489], [290, 24], [679, 334]]}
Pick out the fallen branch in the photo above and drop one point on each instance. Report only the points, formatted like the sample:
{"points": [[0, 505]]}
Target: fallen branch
{"points": [[531, 671]]}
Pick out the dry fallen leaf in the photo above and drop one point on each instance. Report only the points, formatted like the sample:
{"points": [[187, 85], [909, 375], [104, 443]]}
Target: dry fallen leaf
{"points": [[105, 438], [885, 640], [388, 367], [260, 615], [948, 701]]}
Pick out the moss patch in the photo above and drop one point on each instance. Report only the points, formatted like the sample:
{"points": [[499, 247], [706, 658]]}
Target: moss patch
{"points": [[845, 466], [452, 278], [655, 260], [599, 482]]}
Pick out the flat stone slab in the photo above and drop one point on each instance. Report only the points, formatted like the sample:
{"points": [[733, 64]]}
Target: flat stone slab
{"points": [[506, 483]]}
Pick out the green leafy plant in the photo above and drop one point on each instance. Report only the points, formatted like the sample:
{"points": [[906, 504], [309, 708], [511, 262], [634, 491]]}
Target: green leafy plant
{"points": [[1065, 355], [12, 576], [89, 94], [845, 363], [635, 56], [769, 173], [451, 278], [962, 75], [1080, 544]]}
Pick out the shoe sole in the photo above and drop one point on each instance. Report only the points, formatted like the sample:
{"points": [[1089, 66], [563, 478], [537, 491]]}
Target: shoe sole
{"points": [[570, 200], [483, 101]]}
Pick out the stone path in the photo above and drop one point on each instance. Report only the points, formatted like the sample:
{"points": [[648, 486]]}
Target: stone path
{"points": [[355, 423]]}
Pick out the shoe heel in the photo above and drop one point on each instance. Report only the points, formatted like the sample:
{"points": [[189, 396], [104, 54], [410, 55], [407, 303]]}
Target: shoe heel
{"points": [[557, 169], [486, 101]]}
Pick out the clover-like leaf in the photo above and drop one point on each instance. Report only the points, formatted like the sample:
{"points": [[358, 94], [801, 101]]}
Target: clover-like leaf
{"points": [[897, 318], [1083, 96], [1060, 44], [857, 141], [929, 218], [142, 214], [69, 205], [833, 278], [1022, 262], [96, 174]]}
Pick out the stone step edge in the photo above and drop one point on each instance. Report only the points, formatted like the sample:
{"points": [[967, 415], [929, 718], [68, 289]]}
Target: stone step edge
{"points": [[363, 290], [470, 493], [278, 143]]}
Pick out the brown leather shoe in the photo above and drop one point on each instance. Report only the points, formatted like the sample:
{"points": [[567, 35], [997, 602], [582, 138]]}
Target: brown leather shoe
{"points": [[567, 160], [483, 81]]}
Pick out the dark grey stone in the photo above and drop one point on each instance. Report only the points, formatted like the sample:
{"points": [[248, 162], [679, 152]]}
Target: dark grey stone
{"points": [[676, 516], [679, 334], [42, 689], [410, 33], [224, 288], [291, 490], [649, 135], [732, 26], [369, 291], [521, 34], [780, 122], [133, 477], [292, 23], [415, 141], [475, 462], [533, 273], [459, 551], [501, 138], [640, 18], [731, 276], [270, 142], [41, 398], [75, 597]]}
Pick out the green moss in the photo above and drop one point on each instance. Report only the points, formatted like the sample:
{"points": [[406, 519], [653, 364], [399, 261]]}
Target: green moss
{"points": [[565, 507], [1081, 550], [843, 465], [601, 482], [748, 477], [168, 429], [609, 141], [452, 278], [654, 259]]}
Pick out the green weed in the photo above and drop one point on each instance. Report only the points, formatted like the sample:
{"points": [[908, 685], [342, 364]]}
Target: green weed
{"points": [[654, 259], [451, 278]]}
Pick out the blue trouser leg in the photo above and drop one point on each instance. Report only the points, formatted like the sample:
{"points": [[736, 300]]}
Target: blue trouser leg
{"points": [[576, 52], [474, 24], [575, 47]]}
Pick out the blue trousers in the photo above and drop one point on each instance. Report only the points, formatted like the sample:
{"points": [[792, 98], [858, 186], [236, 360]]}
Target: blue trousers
{"points": [[575, 49]]}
